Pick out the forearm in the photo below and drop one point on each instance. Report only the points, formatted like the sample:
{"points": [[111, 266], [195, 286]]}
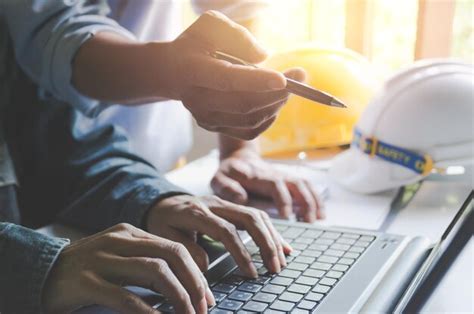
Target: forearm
{"points": [[112, 68]]}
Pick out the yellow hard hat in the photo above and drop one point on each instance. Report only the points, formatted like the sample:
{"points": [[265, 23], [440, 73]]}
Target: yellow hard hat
{"points": [[303, 124]]}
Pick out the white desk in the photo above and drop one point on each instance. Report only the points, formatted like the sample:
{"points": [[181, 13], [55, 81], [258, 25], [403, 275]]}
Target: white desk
{"points": [[428, 214]]}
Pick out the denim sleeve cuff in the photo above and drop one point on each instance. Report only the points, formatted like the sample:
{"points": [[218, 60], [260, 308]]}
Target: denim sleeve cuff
{"points": [[138, 204], [57, 69], [26, 259]]}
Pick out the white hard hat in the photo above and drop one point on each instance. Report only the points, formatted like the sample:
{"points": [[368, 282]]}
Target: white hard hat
{"points": [[420, 122]]}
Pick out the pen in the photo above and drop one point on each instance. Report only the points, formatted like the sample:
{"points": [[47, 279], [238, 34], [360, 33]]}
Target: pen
{"points": [[292, 86]]}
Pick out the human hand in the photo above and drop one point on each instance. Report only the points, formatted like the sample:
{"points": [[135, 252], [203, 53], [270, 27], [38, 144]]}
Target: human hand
{"points": [[92, 271], [240, 101], [244, 172], [180, 218]]}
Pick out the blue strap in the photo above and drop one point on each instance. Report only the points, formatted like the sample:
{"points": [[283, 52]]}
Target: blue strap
{"points": [[422, 164]]}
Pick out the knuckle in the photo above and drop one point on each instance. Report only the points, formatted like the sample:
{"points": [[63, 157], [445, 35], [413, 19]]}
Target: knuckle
{"points": [[178, 249], [157, 265], [129, 301], [228, 230], [264, 215], [252, 217], [124, 227]]}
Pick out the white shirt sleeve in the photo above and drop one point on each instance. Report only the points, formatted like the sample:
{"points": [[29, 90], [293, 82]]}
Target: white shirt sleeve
{"points": [[236, 10]]}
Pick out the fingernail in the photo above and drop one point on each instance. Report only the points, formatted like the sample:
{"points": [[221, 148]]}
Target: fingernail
{"points": [[252, 270], [210, 297], [276, 84], [203, 306], [282, 258], [276, 264]]}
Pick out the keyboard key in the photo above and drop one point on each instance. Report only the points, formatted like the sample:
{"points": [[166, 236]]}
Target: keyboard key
{"points": [[318, 247], [224, 288], [328, 281], [219, 296], [301, 289], [367, 238], [362, 243], [234, 280], [315, 297], [334, 274], [311, 233], [311, 253], [297, 266], [346, 261], [261, 280], [290, 297], [295, 253], [309, 281], [264, 297], [282, 306], [270, 311], [299, 311], [290, 273], [330, 235], [325, 241], [292, 232], [339, 246], [263, 271], [257, 257], [240, 296], [255, 306], [230, 305], [280, 228], [219, 311], [332, 252], [303, 240], [304, 259], [322, 266], [340, 267], [299, 246], [321, 289], [307, 305], [351, 255], [249, 287], [350, 235], [356, 249], [273, 289], [327, 259], [282, 281], [314, 273], [346, 241]]}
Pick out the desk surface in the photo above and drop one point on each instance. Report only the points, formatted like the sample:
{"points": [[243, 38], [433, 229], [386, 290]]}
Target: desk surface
{"points": [[427, 214]]}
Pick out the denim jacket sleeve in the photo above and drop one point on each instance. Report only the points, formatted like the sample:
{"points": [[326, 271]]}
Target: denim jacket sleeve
{"points": [[26, 257], [47, 34], [84, 176]]}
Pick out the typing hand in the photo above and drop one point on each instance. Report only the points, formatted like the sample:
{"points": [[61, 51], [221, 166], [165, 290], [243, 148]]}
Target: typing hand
{"points": [[239, 101], [92, 271], [180, 218], [244, 172]]}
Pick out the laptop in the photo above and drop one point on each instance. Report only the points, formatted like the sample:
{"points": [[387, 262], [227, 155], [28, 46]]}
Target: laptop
{"points": [[333, 270]]}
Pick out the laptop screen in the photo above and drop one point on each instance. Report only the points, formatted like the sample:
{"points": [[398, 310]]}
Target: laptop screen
{"points": [[452, 242]]}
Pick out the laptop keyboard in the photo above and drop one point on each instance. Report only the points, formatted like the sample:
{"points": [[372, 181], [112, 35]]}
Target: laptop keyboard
{"points": [[318, 262]]}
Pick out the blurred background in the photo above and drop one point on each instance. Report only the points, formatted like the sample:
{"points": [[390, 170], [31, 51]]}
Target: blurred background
{"points": [[390, 34]]}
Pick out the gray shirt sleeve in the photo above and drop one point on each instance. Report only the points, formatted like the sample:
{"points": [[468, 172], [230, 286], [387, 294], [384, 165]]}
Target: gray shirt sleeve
{"points": [[26, 257], [46, 36]]}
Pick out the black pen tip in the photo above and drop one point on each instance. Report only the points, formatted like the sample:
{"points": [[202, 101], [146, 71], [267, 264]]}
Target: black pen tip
{"points": [[337, 103]]}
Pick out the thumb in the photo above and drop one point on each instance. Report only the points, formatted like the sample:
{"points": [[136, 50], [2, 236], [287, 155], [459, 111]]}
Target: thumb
{"points": [[297, 74]]}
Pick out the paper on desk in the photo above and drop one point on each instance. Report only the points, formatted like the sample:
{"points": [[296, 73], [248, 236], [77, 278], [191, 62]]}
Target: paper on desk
{"points": [[343, 208]]}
